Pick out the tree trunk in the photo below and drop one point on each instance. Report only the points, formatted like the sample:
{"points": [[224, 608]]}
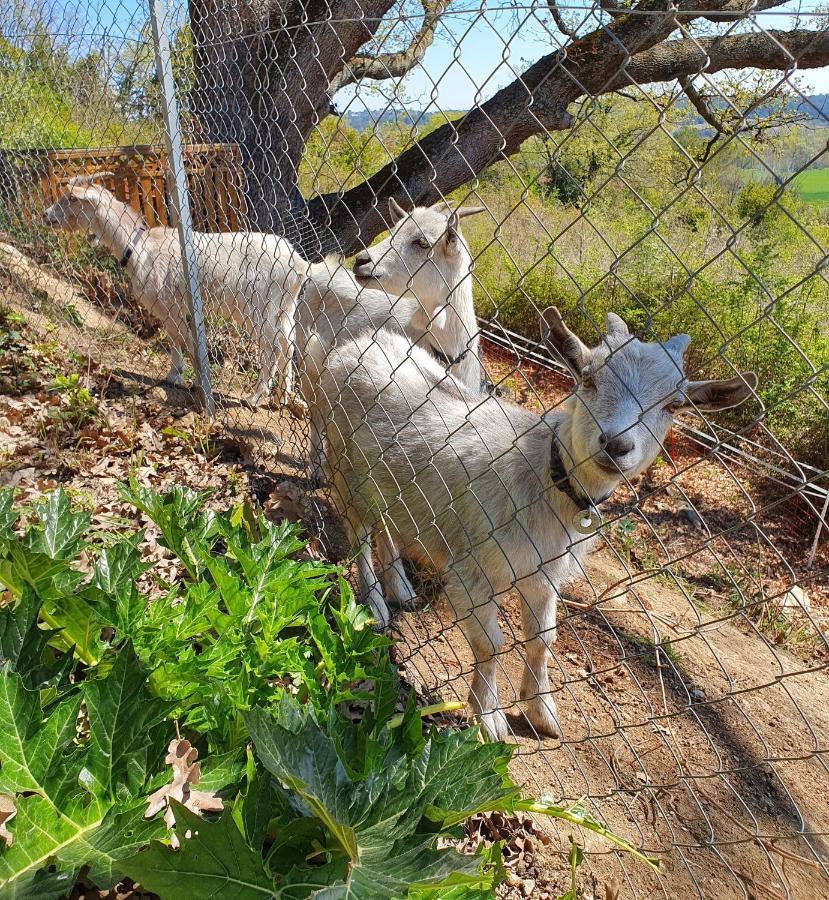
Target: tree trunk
{"points": [[262, 75]]}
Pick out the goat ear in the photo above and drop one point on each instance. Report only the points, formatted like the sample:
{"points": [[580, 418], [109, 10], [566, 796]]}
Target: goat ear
{"points": [[616, 326], [710, 396], [563, 342], [677, 345], [396, 211], [85, 180]]}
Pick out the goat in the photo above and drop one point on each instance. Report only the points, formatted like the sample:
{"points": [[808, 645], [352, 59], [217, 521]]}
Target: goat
{"points": [[252, 278], [491, 494], [426, 255]]}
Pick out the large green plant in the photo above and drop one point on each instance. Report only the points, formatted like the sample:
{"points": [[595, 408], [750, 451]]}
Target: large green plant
{"points": [[336, 795]]}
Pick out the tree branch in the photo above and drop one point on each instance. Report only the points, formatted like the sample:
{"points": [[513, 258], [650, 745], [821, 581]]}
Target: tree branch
{"points": [[781, 50], [558, 18], [393, 65], [632, 50], [700, 104]]}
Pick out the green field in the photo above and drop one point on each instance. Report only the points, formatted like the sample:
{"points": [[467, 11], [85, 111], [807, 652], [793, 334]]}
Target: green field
{"points": [[813, 185]]}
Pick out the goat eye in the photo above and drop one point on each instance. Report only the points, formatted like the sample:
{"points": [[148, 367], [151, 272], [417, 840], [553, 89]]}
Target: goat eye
{"points": [[423, 243], [673, 406], [589, 381]]}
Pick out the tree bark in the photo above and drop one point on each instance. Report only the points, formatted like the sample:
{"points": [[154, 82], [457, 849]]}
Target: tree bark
{"points": [[262, 74]]}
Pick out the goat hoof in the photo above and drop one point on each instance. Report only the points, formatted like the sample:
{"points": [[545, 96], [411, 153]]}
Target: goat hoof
{"points": [[543, 716], [494, 724]]}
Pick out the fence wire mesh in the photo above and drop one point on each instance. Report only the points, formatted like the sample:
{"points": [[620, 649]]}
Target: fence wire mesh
{"points": [[665, 163]]}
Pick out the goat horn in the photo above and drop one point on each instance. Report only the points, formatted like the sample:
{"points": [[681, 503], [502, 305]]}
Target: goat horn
{"points": [[465, 211]]}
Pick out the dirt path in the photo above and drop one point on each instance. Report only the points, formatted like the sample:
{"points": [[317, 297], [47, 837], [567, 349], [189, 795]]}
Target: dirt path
{"points": [[708, 755]]}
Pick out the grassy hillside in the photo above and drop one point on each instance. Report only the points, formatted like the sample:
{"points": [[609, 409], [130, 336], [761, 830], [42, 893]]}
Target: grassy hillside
{"points": [[813, 185]]}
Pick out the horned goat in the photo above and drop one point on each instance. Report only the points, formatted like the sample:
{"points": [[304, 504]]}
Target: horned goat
{"points": [[491, 494], [252, 278]]}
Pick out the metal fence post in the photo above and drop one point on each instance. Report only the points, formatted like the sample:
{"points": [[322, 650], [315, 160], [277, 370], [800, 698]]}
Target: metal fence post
{"points": [[181, 200]]}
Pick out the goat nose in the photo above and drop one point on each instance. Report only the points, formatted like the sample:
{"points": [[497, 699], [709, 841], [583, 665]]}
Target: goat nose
{"points": [[362, 259], [617, 446]]}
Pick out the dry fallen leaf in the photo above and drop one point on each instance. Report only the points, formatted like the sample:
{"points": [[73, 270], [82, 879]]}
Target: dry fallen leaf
{"points": [[285, 501], [7, 812], [611, 890], [181, 755]]}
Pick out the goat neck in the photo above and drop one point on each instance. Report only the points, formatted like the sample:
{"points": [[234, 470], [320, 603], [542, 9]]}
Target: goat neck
{"points": [[586, 479], [116, 225]]}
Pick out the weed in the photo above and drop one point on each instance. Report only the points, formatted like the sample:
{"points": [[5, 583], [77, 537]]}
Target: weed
{"points": [[74, 405], [72, 316], [198, 439], [622, 531], [235, 482]]}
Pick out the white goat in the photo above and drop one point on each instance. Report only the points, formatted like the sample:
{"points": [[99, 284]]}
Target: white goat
{"points": [[252, 278], [426, 256], [491, 494], [417, 280]]}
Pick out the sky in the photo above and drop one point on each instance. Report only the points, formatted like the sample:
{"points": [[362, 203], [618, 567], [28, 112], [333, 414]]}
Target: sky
{"points": [[473, 54]]}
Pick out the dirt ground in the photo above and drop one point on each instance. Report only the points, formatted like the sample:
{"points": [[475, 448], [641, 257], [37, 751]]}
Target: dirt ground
{"points": [[695, 709]]}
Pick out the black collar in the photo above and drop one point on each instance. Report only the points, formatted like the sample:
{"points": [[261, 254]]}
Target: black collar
{"points": [[561, 480], [447, 361], [131, 245]]}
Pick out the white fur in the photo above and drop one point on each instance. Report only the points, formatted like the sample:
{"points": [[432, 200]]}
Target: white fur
{"points": [[252, 278], [426, 256], [463, 482]]}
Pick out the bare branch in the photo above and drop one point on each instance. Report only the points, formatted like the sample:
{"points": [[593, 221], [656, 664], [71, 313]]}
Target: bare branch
{"points": [[393, 65], [700, 104], [558, 18]]}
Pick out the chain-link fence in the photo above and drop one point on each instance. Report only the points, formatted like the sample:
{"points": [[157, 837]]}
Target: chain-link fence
{"points": [[650, 170]]}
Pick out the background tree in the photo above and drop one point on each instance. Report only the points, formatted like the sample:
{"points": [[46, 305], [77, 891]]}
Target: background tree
{"points": [[266, 72]]}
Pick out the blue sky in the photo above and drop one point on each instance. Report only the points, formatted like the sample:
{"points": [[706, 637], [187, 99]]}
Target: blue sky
{"points": [[473, 54]]}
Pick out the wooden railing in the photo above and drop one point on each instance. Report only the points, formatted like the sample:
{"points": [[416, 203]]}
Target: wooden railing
{"points": [[32, 179]]}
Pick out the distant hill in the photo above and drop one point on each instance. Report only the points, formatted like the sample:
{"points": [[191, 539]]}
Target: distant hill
{"points": [[816, 106], [371, 118]]}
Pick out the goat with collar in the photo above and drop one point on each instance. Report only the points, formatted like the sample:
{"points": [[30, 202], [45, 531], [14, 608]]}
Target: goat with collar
{"points": [[470, 485], [251, 278], [426, 256]]}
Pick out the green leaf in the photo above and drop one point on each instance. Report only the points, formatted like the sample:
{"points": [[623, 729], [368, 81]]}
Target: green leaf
{"points": [[62, 529], [78, 803], [382, 825], [8, 516], [113, 584], [24, 645], [126, 732], [184, 528], [213, 862]]}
